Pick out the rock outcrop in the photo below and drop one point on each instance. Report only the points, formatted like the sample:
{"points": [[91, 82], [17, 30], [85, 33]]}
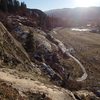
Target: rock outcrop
{"points": [[11, 51]]}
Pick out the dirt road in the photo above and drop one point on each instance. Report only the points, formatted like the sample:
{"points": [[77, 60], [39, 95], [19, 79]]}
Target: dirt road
{"points": [[64, 50], [84, 76]]}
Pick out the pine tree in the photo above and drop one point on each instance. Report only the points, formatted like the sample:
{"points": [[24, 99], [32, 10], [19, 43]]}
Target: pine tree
{"points": [[23, 5], [30, 43], [3, 5], [11, 5], [16, 4]]}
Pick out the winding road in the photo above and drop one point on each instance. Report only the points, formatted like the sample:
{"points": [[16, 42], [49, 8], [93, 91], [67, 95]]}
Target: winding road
{"points": [[84, 76], [64, 50]]}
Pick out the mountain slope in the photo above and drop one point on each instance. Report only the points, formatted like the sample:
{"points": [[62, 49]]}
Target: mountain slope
{"points": [[12, 54], [77, 16]]}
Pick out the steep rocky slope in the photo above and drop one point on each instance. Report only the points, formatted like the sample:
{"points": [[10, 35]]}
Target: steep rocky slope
{"points": [[13, 55], [32, 63], [11, 50]]}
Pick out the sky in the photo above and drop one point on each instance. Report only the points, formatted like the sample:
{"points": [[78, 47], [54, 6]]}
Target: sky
{"points": [[56, 4]]}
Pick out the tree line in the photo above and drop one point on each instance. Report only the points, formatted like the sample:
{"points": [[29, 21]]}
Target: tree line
{"points": [[11, 5]]}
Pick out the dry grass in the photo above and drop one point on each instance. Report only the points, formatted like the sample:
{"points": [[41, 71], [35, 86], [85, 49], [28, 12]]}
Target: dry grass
{"points": [[87, 50]]}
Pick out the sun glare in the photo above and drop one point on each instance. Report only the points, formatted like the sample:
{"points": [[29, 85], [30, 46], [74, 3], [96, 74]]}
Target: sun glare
{"points": [[86, 3]]}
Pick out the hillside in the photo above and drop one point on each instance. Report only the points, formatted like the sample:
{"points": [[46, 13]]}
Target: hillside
{"points": [[17, 69]]}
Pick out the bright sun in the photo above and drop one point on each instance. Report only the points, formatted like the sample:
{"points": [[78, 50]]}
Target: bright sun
{"points": [[86, 3]]}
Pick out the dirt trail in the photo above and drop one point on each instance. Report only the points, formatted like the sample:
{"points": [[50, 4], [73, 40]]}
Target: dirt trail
{"points": [[24, 85], [64, 50], [84, 76]]}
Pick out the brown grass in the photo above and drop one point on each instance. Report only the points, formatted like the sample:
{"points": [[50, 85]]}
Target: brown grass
{"points": [[87, 50]]}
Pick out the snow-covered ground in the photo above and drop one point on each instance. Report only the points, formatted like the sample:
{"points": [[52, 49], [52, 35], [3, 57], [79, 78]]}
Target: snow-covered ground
{"points": [[81, 30]]}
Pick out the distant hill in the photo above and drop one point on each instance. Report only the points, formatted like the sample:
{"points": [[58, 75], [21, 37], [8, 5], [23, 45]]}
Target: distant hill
{"points": [[77, 16], [34, 18]]}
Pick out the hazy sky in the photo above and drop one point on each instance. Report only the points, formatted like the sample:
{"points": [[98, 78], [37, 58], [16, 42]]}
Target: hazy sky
{"points": [[55, 4]]}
